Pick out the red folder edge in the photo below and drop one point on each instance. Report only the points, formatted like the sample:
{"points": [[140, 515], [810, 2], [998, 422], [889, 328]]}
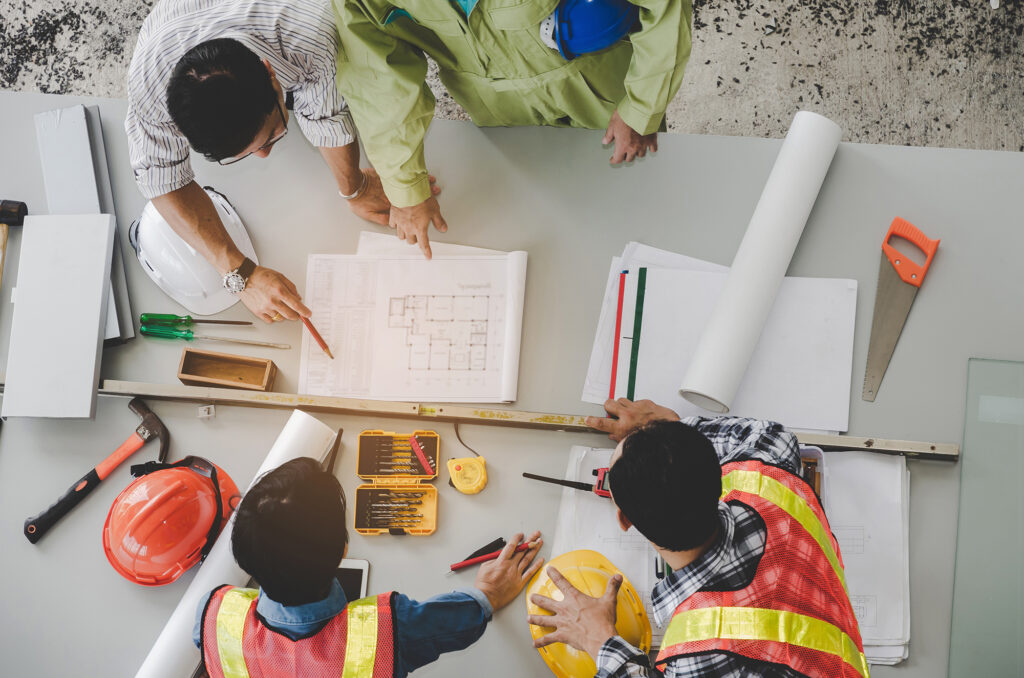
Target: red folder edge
{"points": [[618, 332]]}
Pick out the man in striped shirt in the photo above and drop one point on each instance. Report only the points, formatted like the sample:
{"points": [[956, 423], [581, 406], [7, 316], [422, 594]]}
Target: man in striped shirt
{"points": [[224, 76]]}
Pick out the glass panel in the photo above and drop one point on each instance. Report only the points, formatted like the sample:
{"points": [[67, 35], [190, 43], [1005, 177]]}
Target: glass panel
{"points": [[987, 637]]}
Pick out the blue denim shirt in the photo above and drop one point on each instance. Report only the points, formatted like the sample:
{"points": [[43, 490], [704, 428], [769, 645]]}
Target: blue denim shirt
{"points": [[423, 630]]}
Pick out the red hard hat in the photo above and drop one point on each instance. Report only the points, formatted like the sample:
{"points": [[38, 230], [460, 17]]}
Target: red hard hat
{"points": [[166, 521]]}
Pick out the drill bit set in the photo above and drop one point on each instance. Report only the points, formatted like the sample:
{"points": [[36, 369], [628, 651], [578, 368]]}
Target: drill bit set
{"points": [[398, 499]]}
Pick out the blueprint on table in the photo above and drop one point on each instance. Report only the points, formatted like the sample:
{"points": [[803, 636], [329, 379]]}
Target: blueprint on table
{"points": [[404, 328]]}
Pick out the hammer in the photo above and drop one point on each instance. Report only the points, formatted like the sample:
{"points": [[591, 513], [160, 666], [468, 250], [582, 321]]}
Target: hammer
{"points": [[151, 427], [12, 213]]}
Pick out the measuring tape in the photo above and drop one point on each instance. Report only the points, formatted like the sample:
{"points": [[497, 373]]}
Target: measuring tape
{"points": [[468, 474]]}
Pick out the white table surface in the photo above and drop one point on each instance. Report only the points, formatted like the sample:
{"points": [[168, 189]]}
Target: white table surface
{"points": [[549, 192]]}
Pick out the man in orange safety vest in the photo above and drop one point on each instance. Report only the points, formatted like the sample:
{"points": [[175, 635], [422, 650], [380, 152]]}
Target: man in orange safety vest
{"points": [[290, 535], [757, 586]]}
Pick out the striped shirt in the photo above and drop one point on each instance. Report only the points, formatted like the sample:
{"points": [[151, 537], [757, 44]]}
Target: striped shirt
{"points": [[297, 37], [730, 563]]}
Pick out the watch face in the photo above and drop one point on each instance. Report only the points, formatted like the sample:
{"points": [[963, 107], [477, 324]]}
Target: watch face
{"points": [[234, 283]]}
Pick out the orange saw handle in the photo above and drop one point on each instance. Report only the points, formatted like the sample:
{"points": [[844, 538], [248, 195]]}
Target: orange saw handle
{"points": [[909, 271]]}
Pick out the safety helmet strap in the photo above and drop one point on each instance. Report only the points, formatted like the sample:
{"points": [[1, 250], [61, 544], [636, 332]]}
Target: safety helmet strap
{"points": [[204, 468]]}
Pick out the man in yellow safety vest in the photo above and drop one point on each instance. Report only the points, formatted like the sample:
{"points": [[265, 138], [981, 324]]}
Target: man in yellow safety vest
{"points": [[290, 535]]}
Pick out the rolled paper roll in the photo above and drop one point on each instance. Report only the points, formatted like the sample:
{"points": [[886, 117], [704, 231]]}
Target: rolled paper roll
{"points": [[732, 333]]}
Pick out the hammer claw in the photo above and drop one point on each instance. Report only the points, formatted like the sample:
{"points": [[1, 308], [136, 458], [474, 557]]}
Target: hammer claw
{"points": [[150, 426]]}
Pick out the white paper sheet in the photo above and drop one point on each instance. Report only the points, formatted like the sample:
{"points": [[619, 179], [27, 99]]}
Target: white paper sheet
{"points": [[385, 244], [867, 499], [598, 382], [174, 655], [586, 521], [720, 361], [403, 328], [801, 368]]}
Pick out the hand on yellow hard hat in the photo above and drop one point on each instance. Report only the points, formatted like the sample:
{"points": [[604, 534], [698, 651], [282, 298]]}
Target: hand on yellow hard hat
{"points": [[579, 620], [503, 578]]}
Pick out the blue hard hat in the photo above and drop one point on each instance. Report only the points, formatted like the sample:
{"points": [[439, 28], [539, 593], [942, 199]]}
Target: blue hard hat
{"points": [[591, 25]]}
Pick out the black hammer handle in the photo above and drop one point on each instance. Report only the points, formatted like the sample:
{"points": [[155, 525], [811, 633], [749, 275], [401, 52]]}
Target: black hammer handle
{"points": [[36, 527]]}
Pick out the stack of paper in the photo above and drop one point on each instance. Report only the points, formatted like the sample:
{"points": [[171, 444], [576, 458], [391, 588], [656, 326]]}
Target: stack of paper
{"points": [[659, 303], [404, 328], [867, 500], [587, 521]]}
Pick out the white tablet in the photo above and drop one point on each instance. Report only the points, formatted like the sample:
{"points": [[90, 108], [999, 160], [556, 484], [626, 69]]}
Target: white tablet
{"points": [[352, 575]]}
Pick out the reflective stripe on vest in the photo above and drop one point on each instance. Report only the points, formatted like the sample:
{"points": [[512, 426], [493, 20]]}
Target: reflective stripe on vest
{"points": [[746, 623], [789, 501], [230, 623], [361, 646], [362, 620]]}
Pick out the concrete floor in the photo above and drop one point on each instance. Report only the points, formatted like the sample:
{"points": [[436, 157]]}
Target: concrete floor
{"points": [[931, 73]]}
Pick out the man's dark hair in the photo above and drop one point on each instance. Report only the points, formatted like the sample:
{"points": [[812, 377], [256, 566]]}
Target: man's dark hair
{"points": [[667, 483], [290, 531], [219, 96]]}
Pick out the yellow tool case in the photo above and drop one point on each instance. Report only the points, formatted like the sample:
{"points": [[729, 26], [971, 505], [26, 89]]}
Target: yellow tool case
{"points": [[399, 498]]}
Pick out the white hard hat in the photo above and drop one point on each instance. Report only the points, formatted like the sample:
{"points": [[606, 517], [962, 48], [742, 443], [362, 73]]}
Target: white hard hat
{"points": [[178, 269]]}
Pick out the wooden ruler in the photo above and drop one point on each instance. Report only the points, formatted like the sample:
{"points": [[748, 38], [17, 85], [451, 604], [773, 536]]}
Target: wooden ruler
{"points": [[474, 415]]}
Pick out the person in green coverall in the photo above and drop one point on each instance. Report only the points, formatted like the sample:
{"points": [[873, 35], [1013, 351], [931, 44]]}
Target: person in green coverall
{"points": [[496, 62]]}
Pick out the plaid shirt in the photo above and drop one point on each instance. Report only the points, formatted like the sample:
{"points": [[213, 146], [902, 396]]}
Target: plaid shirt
{"points": [[730, 563]]}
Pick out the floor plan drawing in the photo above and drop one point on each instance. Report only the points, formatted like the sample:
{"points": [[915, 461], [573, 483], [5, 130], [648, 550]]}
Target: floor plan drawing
{"points": [[443, 332], [404, 328]]}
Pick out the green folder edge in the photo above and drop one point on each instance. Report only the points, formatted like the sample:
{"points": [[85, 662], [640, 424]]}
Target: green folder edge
{"points": [[638, 317]]}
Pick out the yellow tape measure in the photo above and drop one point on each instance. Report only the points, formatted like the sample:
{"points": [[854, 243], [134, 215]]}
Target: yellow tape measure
{"points": [[468, 474]]}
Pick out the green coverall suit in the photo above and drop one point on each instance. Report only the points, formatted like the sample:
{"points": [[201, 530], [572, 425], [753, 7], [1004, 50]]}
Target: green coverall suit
{"points": [[493, 62]]}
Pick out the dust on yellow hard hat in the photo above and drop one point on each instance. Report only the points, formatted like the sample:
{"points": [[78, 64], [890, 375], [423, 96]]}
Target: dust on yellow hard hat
{"points": [[588, 571]]}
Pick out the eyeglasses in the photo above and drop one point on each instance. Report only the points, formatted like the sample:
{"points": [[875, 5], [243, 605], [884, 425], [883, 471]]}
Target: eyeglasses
{"points": [[231, 161]]}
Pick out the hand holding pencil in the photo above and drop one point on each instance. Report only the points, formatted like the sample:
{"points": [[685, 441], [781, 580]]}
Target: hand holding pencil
{"points": [[502, 578]]}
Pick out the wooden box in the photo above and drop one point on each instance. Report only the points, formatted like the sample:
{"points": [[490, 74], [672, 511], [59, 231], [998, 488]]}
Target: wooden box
{"points": [[226, 370]]}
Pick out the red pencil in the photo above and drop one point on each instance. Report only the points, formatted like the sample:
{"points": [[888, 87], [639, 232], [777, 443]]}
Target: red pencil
{"points": [[618, 332], [316, 335], [488, 556]]}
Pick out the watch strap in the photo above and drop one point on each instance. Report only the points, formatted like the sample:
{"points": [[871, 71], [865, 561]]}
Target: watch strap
{"points": [[246, 268]]}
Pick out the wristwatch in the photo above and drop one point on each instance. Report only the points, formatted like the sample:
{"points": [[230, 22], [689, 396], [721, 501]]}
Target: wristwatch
{"points": [[235, 281]]}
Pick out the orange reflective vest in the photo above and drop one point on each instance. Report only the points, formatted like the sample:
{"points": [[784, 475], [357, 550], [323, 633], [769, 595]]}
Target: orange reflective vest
{"points": [[357, 643], [796, 611]]}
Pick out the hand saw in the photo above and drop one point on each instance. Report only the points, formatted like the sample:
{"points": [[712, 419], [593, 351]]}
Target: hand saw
{"points": [[899, 278]]}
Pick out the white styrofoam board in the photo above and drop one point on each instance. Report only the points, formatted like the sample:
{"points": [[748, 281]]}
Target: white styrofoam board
{"points": [[77, 181], [66, 158], [120, 324], [53, 362]]}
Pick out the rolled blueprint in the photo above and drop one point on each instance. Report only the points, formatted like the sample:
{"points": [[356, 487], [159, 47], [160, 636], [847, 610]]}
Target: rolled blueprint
{"points": [[174, 654], [732, 333]]}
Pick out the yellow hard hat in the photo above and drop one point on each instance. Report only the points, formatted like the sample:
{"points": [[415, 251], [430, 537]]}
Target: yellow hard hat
{"points": [[589, 571]]}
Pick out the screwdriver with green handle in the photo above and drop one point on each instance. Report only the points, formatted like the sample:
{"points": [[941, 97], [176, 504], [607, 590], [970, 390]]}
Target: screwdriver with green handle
{"points": [[171, 320], [170, 332]]}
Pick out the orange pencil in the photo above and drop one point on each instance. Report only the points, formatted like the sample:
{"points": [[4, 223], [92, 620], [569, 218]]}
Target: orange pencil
{"points": [[316, 335]]}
